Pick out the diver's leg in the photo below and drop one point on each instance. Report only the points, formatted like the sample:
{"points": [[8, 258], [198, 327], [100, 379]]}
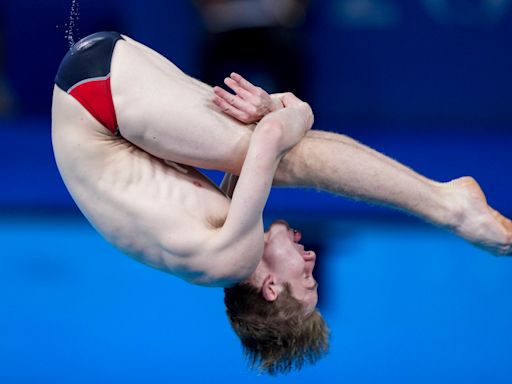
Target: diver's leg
{"points": [[340, 165], [171, 115]]}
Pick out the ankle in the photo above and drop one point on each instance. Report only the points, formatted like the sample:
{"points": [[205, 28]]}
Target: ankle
{"points": [[463, 198], [452, 212]]}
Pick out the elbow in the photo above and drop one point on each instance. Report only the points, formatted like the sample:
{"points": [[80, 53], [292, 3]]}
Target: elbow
{"points": [[229, 269], [228, 259], [223, 278], [232, 273]]}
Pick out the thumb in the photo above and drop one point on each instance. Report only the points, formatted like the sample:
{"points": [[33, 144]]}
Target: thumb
{"points": [[289, 100]]}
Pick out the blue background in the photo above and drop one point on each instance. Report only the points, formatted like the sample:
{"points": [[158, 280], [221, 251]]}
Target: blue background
{"points": [[425, 82]]}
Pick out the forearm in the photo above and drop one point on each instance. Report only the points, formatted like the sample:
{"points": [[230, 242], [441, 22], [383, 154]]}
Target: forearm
{"points": [[340, 165], [255, 180]]}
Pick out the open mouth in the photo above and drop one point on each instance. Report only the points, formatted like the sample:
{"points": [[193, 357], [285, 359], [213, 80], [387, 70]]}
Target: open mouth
{"points": [[297, 235]]}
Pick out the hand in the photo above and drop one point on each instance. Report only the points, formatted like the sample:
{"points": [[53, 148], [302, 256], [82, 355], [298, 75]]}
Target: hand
{"points": [[293, 121], [249, 104]]}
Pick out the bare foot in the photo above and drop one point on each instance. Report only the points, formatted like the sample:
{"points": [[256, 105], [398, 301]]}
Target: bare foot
{"points": [[476, 221]]}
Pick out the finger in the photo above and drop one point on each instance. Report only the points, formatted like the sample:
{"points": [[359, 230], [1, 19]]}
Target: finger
{"points": [[229, 109], [290, 99], [243, 93], [245, 84], [234, 100], [222, 93]]}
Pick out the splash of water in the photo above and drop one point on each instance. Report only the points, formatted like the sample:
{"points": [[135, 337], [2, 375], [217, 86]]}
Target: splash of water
{"points": [[71, 27]]}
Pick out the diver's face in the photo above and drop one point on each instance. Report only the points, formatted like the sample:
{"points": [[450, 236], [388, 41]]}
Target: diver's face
{"points": [[287, 260]]}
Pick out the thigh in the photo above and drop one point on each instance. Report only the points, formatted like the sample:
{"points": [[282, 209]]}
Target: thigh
{"points": [[170, 115]]}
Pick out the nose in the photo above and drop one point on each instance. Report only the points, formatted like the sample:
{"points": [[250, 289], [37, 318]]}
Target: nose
{"points": [[282, 222]]}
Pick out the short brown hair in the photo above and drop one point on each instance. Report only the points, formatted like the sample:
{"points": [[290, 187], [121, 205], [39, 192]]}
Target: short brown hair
{"points": [[277, 336]]}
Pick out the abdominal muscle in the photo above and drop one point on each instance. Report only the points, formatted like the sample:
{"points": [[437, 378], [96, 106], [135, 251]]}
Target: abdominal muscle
{"points": [[155, 212]]}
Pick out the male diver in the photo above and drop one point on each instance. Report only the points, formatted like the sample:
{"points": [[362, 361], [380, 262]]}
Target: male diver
{"points": [[128, 130]]}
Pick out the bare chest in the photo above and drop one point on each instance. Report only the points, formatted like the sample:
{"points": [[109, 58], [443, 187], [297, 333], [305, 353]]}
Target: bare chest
{"points": [[146, 207]]}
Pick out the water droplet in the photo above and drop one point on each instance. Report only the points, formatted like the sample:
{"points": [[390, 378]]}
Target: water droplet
{"points": [[72, 28]]}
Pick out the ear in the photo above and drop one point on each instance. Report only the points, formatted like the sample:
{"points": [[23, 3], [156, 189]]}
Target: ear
{"points": [[269, 289]]}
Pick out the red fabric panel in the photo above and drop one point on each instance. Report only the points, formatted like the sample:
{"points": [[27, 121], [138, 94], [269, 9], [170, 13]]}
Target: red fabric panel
{"points": [[96, 97]]}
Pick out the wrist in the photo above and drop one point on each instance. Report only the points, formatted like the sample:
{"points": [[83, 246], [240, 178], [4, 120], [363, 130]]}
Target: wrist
{"points": [[269, 135]]}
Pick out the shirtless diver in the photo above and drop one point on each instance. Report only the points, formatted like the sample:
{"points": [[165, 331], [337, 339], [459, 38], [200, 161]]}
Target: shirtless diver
{"points": [[128, 128]]}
